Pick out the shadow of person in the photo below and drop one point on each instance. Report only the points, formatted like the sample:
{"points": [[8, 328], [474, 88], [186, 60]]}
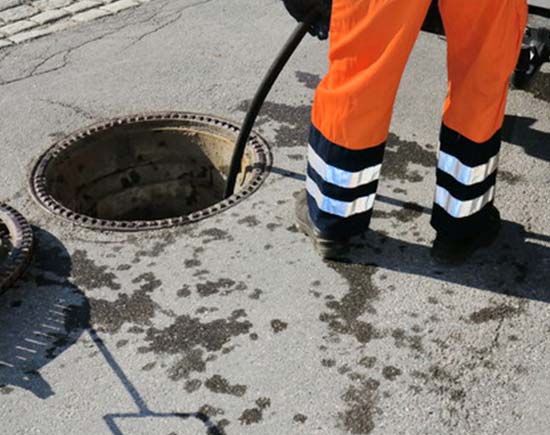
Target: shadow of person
{"points": [[518, 264], [518, 130], [41, 317]]}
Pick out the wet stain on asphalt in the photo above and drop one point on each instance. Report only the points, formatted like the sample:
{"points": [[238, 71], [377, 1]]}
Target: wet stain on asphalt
{"points": [[278, 325], [361, 399], [299, 418], [311, 81], [219, 385], [497, 312], [89, 276], [399, 153], [391, 373], [344, 314], [249, 221], [192, 361], [190, 339], [223, 286], [294, 122], [255, 415]]}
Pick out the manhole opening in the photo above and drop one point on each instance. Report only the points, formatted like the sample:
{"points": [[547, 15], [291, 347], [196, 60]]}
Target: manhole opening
{"points": [[16, 241], [147, 171]]}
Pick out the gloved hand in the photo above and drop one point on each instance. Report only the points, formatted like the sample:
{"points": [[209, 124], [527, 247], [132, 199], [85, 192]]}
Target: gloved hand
{"points": [[300, 9]]}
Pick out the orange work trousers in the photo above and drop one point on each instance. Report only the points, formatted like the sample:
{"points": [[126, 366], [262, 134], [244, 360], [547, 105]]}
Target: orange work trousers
{"points": [[370, 42]]}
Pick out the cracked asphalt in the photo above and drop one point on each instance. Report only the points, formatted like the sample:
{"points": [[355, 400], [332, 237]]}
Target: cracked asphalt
{"points": [[233, 325]]}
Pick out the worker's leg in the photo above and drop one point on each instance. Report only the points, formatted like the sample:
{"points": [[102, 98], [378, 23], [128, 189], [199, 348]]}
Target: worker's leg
{"points": [[370, 42], [483, 39]]}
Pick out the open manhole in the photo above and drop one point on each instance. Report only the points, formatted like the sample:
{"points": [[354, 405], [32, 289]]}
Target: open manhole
{"points": [[16, 241], [147, 171]]}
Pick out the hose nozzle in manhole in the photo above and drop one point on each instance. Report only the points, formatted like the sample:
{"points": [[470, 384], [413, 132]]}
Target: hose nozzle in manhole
{"points": [[147, 171], [16, 241]]}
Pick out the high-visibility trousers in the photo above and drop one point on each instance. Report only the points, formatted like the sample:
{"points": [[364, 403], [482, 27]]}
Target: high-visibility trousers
{"points": [[370, 42]]}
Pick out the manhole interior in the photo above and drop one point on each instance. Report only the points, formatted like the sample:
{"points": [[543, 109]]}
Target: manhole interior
{"points": [[147, 171]]}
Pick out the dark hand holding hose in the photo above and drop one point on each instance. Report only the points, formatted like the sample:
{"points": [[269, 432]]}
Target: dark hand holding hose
{"points": [[300, 9]]}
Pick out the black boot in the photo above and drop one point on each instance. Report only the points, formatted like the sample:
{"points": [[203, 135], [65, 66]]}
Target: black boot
{"points": [[328, 248], [456, 251]]}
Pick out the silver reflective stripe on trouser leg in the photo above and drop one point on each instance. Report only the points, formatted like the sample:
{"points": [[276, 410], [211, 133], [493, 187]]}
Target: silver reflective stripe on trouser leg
{"points": [[340, 177], [339, 208], [465, 174], [461, 209]]}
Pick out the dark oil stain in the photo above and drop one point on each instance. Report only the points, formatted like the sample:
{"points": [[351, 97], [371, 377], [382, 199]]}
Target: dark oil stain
{"points": [[328, 363], [361, 400], [159, 246], [189, 338], [297, 157], [391, 373], [137, 308], [121, 343], [149, 366], [253, 336], [249, 221], [272, 226], [220, 385], [251, 416], [123, 267], [399, 153], [135, 330], [408, 213], [211, 411], [299, 418], [89, 276], [203, 310], [311, 81], [268, 247], [496, 312], [401, 338], [255, 294], [215, 235], [192, 385], [150, 283], [344, 315], [192, 361], [294, 122], [255, 415], [223, 286], [509, 177], [368, 362], [193, 262], [184, 291], [278, 325]]}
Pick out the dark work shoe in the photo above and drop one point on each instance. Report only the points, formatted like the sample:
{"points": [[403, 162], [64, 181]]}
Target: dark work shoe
{"points": [[329, 249], [456, 251]]}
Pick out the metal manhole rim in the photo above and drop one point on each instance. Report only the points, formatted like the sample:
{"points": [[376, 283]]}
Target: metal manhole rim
{"points": [[21, 234], [259, 146]]}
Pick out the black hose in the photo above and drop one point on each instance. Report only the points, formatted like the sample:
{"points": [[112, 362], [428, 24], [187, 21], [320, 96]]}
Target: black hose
{"points": [[261, 94]]}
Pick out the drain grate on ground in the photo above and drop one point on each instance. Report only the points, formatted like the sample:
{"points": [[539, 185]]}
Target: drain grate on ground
{"points": [[147, 171], [16, 242]]}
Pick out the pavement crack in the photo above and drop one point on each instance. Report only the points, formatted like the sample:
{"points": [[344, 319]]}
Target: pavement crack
{"points": [[76, 109], [167, 23]]}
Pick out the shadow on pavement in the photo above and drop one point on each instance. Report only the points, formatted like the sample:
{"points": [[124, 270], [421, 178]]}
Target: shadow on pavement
{"points": [[516, 265], [41, 318], [45, 315], [518, 130]]}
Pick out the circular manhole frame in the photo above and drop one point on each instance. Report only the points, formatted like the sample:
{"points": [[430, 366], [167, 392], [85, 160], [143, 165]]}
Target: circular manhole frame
{"points": [[15, 228], [260, 169]]}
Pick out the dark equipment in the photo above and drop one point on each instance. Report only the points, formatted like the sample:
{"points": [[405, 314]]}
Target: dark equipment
{"points": [[535, 50]]}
